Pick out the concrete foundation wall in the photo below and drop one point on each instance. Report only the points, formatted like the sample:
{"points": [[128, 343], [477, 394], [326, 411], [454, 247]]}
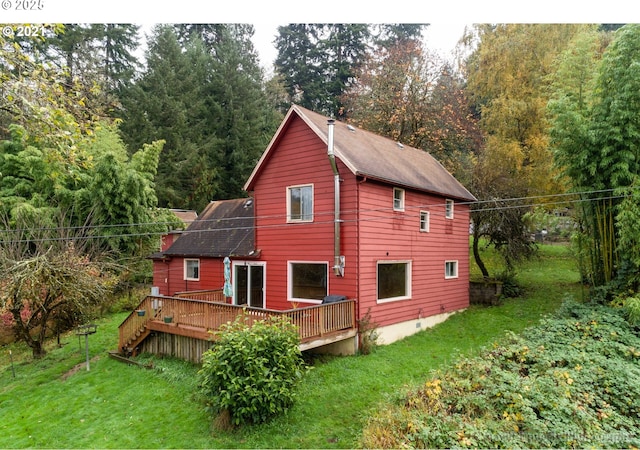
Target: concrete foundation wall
{"points": [[393, 333]]}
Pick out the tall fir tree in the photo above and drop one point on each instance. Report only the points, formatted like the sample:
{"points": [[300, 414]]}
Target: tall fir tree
{"points": [[168, 103], [202, 92], [319, 63]]}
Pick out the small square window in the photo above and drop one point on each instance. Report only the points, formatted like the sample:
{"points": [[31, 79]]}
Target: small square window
{"points": [[398, 199], [192, 269], [451, 269], [448, 209], [424, 221]]}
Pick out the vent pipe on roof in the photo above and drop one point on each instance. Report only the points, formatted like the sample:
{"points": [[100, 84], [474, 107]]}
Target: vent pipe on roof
{"points": [[338, 264]]}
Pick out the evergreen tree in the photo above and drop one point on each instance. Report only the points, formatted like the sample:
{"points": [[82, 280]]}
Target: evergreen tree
{"points": [[298, 62], [97, 59], [389, 35], [240, 114], [319, 63], [344, 52], [117, 44], [168, 102], [202, 93]]}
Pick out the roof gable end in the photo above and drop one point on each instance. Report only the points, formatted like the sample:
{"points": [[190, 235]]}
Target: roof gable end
{"points": [[372, 156]]}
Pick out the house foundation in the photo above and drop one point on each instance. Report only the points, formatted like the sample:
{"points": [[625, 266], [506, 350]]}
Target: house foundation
{"points": [[392, 333]]}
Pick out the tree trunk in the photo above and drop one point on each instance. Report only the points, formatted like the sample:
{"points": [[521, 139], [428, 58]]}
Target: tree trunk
{"points": [[476, 253], [37, 349], [23, 331], [22, 334]]}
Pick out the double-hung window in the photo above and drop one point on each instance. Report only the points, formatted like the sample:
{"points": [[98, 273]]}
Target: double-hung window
{"points": [[424, 221], [448, 209], [398, 199], [192, 269], [300, 203]]}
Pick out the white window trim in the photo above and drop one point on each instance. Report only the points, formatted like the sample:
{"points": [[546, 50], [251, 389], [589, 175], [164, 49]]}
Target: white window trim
{"points": [[290, 296], [402, 197], [185, 273], [409, 277], [448, 208], [289, 219], [450, 277], [427, 221]]}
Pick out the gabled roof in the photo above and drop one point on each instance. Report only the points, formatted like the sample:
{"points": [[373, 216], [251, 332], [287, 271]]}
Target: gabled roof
{"points": [[375, 157], [224, 228], [186, 215]]}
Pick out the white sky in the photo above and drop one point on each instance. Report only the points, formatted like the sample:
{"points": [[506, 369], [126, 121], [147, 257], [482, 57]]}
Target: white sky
{"points": [[441, 37], [447, 18]]}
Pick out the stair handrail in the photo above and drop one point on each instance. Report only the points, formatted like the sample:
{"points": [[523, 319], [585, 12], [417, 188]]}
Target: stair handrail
{"points": [[138, 318]]}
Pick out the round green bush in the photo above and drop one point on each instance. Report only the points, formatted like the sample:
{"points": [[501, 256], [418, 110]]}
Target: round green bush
{"points": [[251, 372]]}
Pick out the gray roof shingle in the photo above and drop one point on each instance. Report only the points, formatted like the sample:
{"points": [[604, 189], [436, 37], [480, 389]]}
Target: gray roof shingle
{"points": [[376, 157], [224, 228]]}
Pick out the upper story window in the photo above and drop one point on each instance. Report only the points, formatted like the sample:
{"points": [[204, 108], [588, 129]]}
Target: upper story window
{"points": [[300, 203], [448, 209], [398, 199], [192, 269], [424, 221]]}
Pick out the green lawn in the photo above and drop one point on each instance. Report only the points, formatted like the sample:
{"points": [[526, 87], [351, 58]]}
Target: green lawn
{"points": [[114, 405]]}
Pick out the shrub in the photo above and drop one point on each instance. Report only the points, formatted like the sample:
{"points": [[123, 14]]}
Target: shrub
{"points": [[251, 372], [368, 331], [573, 381], [510, 286], [632, 309]]}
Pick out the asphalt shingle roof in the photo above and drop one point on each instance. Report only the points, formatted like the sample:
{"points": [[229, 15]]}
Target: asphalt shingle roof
{"points": [[376, 157], [224, 228]]}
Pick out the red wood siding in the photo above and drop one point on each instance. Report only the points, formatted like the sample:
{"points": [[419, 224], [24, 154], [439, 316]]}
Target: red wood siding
{"points": [[168, 276], [166, 241], [388, 235], [370, 232], [301, 158]]}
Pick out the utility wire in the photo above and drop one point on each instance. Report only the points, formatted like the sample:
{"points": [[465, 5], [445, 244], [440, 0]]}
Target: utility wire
{"points": [[362, 213]]}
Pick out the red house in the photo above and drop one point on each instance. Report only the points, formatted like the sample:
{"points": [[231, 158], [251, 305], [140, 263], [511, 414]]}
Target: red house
{"points": [[335, 211]]}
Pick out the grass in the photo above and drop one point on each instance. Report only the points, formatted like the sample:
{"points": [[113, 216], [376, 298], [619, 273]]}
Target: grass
{"points": [[118, 406]]}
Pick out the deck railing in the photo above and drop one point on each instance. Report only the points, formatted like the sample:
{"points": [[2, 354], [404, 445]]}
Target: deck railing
{"points": [[136, 320], [312, 321], [208, 295]]}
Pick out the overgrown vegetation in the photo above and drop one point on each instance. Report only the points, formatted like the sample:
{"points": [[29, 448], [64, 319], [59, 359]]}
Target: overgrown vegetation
{"points": [[594, 136], [573, 381], [367, 333], [48, 284], [251, 373]]}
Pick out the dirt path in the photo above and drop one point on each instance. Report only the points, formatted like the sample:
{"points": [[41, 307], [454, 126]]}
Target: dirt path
{"points": [[78, 367]]}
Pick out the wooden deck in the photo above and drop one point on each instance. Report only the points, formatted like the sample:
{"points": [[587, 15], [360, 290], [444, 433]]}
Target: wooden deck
{"points": [[197, 317]]}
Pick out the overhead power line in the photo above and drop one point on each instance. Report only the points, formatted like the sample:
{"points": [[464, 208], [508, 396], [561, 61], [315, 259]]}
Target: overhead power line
{"points": [[361, 215]]}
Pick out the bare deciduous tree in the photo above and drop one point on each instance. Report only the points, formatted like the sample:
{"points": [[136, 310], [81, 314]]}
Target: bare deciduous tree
{"points": [[49, 277]]}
